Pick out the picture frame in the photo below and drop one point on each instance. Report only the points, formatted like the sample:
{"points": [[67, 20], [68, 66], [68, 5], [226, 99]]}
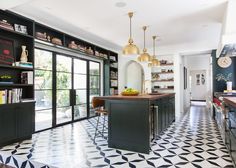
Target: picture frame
{"points": [[20, 28], [7, 55], [185, 78]]}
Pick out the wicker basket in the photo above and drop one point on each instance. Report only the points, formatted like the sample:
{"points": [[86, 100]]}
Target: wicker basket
{"points": [[129, 94]]}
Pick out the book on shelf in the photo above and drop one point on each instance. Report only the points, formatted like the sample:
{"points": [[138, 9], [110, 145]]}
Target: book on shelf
{"points": [[10, 96], [27, 77], [113, 58], [114, 65], [24, 64], [113, 91], [114, 83], [3, 96]]}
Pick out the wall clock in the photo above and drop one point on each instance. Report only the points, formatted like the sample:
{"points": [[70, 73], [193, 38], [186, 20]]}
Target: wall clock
{"points": [[224, 62]]}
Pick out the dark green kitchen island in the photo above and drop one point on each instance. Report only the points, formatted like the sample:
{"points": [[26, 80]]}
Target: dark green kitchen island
{"points": [[133, 121]]}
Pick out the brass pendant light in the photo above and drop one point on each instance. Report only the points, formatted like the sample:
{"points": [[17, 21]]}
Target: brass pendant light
{"points": [[130, 48], [144, 57], [154, 61]]}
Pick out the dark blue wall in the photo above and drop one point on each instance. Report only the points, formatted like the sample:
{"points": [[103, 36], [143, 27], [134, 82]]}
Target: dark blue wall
{"points": [[220, 86]]}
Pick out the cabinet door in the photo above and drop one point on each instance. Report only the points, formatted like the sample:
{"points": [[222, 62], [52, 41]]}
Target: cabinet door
{"points": [[159, 121], [25, 119], [163, 109], [7, 124]]}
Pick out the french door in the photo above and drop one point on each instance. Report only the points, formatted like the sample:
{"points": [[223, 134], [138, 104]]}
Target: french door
{"points": [[64, 87]]}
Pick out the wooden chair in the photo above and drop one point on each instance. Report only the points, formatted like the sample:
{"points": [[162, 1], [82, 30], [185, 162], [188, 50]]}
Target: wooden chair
{"points": [[98, 106]]}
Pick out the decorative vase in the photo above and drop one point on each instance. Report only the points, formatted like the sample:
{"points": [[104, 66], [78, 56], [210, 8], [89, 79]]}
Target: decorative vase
{"points": [[24, 54], [229, 85]]}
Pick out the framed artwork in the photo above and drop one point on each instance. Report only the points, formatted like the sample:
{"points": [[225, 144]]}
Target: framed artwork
{"points": [[203, 80], [20, 28], [6, 51], [185, 78], [197, 79]]}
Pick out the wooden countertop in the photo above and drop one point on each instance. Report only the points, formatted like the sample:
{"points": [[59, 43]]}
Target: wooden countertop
{"points": [[139, 97], [230, 101]]}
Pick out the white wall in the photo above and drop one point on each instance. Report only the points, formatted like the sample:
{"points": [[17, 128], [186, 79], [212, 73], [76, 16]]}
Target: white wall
{"points": [[196, 62], [228, 33]]}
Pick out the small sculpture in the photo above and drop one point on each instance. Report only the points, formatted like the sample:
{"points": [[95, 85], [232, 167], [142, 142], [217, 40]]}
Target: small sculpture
{"points": [[24, 54]]}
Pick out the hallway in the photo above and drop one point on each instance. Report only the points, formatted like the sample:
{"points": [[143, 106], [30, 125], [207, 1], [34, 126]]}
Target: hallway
{"points": [[193, 142]]}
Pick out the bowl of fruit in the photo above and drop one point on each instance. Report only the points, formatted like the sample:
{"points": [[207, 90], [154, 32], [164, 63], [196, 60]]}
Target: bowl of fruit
{"points": [[130, 92]]}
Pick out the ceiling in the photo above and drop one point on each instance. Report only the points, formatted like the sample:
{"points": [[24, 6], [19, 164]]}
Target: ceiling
{"points": [[102, 22]]}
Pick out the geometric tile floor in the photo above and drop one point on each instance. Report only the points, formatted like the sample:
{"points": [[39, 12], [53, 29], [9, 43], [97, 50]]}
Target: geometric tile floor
{"points": [[194, 141]]}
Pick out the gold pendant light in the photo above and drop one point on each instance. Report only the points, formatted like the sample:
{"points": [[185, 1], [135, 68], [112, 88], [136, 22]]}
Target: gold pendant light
{"points": [[130, 48], [144, 57], [154, 61]]}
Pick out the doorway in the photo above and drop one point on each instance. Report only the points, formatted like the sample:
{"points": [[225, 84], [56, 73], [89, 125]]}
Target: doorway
{"points": [[198, 87], [64, 87]]}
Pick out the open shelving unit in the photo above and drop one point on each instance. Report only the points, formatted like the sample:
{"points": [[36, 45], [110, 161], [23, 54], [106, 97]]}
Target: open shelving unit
{"points": [[16, 116], [113, 72], [163, 75], [23, 112]]}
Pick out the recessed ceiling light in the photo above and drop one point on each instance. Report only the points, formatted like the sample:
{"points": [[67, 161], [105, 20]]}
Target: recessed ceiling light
{"points": [[48, 8], [120, 4], [205, 26]]}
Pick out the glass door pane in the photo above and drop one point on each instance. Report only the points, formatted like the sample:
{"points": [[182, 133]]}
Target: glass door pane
{"points": [[63, 87], [80, 86], [94, 76], [43, 89]]}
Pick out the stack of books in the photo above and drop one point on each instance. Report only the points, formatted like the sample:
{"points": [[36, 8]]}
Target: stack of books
{"points": [[10, 96], [24, 64], [4, 24]]}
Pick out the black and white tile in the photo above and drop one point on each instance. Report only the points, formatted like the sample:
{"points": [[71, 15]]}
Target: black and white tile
{"points": [[193, 141]]}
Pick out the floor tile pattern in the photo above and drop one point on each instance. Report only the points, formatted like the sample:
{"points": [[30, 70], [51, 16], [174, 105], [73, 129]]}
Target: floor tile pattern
{"points": [[194, 141]]}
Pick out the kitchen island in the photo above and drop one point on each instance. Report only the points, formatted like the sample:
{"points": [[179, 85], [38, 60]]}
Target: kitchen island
{"points": [[133, 121]]}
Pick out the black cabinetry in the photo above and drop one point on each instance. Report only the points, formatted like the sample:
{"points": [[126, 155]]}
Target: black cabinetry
{"points": [[16, 122], [164, 113]]}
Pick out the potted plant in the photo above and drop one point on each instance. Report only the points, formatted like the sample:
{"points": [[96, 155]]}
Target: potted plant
{"points": [[226, 78], [5, 78]]}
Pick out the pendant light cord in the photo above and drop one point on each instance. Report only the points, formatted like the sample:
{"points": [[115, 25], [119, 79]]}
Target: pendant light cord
{"points": [[154, 47], [144, 43], [130, 28]]}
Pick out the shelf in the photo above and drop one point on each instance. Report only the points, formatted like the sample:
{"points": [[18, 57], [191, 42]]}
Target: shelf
{"points": [[169, 64], [162, 72], [162, 80], [113, 78], [16, 33], [112, 61], [16, 85], [113, 68], [68, 49], [9, 104], [16, 67], [163, 88]]}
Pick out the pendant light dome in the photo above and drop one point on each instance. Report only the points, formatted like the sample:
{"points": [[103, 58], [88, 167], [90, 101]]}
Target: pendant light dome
{"points": [[144, 57], [130, 48]]}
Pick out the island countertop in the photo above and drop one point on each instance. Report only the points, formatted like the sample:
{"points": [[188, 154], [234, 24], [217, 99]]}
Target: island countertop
{"points": [[139, 97], [230, 101]]}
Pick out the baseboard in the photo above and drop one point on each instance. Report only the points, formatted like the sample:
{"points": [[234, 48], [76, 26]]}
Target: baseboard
{"points": [[199, 100]]}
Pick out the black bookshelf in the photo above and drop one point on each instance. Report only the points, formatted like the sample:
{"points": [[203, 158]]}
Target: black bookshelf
{"points": [[113, 72], [29, 39], [17, 117]]}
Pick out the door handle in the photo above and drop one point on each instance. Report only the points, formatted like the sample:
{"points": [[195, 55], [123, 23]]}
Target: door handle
{"points": [[72, 99]]}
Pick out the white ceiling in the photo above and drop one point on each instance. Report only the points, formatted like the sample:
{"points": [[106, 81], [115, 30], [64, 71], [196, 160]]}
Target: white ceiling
{"points": [[100, 21]]}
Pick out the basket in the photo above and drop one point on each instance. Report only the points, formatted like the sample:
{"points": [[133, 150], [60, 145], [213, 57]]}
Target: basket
{"points": [[129, 94]]}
